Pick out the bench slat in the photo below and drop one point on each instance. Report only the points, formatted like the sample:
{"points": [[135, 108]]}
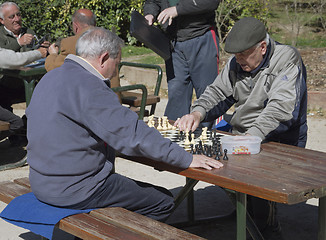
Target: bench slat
{"points": [[106, 223], [11, 190], [142, 224], [134, 99], [88, 227]]}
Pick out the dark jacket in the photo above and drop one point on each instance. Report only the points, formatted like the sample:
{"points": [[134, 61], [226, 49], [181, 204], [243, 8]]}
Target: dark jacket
{"points": [[195, 17], [8, 41]]}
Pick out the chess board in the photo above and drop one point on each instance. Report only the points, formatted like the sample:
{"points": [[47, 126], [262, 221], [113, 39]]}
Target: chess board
{"points": [[180, 138], [200, 142]]}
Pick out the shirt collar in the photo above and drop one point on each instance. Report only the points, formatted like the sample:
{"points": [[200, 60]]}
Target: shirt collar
{"points": [[11, 33], [85, 64]]}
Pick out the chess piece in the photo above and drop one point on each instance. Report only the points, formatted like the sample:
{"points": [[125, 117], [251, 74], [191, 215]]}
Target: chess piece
{"points": [[204, 133], [225, 155], [193, 138], [187, 142], [159, 124]]}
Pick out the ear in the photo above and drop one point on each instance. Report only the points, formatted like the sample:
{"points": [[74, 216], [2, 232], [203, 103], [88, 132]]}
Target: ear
{"points": [[1, 21], [75, 27], [263, 47], [103, 58]]}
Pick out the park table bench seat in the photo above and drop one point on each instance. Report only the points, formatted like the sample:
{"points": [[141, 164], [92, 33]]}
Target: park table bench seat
{"points": [[104, 223]]}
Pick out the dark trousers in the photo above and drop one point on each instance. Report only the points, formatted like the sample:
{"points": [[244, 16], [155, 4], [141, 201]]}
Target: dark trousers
{"points": [[143, 198], [16, 123], [193, 65], [12, 91]]}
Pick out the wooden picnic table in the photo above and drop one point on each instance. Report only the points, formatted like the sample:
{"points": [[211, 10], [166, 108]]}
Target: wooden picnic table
{"points": [[279, 173], [29, 75]]}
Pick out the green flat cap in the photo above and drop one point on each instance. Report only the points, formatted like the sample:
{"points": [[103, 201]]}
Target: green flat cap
{"points": [[245, 34]]}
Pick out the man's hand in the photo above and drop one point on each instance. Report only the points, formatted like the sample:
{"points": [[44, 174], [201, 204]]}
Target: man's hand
{"points": [[53, 49], [167, 14], [25, 39], [202, 161], [150, 19], [43, 51], [188, 122]]}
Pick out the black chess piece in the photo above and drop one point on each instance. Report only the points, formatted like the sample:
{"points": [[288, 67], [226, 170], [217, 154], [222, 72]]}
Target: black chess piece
{"points": [[217, 157], [209, 151], [225, 155], [192, 149]]}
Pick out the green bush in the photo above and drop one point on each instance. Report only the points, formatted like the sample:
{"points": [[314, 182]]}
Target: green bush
{"points": [[54, 17]]}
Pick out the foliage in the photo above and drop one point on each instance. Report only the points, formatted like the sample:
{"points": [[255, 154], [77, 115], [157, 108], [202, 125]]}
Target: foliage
{"points": [[230, 11], [54, 17]]}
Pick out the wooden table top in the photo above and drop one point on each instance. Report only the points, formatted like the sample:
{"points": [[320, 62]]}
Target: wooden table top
{"points": [[4, 126], [280, 173]]}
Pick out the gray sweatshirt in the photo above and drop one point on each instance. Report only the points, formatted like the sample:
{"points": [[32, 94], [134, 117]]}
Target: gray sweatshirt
{"points": [[11, 59]]}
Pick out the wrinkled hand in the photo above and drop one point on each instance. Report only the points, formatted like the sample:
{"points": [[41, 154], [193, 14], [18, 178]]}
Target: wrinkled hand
{"points": [[188, 122], [205, 162], [150, 19], [25, 39], [43, 51], [53, 49], [167, 14]]}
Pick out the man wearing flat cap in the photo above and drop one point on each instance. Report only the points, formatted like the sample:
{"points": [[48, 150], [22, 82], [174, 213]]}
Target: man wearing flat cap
{"points": [[266, 83]]}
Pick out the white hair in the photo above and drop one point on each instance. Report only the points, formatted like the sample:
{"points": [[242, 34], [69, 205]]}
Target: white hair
{"points": [[5, 4], [96, 41]]}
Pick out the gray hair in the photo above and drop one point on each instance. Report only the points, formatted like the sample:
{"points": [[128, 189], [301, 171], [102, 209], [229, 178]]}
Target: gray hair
{"points": [[5, 4], [96, 41], [266, 39]]}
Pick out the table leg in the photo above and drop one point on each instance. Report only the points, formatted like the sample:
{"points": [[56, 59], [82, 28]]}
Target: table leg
{"points": [[190, 202], [241, 215], [322, 219], [29, 88]]}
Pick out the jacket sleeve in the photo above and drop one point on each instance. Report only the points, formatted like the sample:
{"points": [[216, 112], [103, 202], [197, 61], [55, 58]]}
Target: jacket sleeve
{"points": [[216, 93], [67, 46], [189, 7], [283, 100], [152, 7], [120, 128], [11, 59]]}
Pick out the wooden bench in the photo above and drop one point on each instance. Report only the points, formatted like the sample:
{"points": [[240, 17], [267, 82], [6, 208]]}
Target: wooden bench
{"points": [[106, 223]]}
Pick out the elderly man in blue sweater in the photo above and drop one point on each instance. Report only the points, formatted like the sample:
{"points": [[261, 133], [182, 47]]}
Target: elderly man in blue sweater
{"points": [[76, 123]]}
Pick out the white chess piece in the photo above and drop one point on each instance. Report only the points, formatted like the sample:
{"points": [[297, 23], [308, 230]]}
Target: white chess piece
{"points": [[159, 126], [187, 142]]}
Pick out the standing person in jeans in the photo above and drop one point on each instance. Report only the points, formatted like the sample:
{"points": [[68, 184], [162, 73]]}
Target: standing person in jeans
{"points": [[190, 25]]}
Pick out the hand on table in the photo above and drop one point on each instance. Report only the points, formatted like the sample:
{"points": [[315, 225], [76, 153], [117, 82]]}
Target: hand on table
{"points": [[167, 14], [188, 122], [205, 162]]}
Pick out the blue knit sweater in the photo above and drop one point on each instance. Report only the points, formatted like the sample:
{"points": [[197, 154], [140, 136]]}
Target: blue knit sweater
{"points": [[75, 124]]}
